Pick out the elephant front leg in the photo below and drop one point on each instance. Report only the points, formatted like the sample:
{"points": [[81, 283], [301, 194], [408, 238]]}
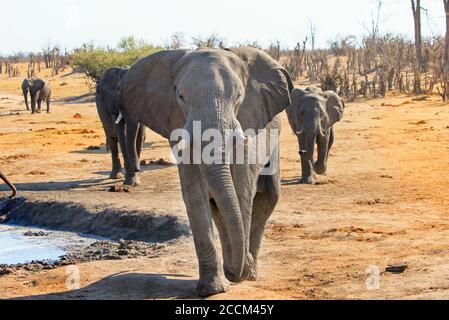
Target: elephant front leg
{"points": [[33, 104], [116, 172], [320, 166], [195, 193], [264, 203], [133, 167]]}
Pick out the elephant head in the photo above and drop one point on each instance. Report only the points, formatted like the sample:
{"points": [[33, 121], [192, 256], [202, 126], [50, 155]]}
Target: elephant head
{"points": [[9, 184], [25, 91], [108, 88], [312, 115], [231, 89]]}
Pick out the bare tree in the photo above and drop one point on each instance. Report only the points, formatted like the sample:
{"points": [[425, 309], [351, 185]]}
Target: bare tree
{"points": [[212, 41], [177, 41], [312, 31], [446, 45], [445, 71]]}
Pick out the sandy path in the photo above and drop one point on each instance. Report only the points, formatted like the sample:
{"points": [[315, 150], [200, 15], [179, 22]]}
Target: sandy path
{"points": [[385, 199]]}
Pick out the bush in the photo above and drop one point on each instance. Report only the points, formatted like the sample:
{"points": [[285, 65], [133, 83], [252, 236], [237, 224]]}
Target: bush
{"points": [[93, 61]]}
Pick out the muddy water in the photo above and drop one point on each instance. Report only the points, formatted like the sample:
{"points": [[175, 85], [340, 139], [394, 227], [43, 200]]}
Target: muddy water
{"points": [[23, 245]]}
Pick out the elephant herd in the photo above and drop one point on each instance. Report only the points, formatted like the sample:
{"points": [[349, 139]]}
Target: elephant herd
{"points": [[241, 89]]}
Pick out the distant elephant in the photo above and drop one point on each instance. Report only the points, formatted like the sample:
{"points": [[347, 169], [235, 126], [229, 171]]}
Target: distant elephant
{"points": [[312, 116], [232, 89], [39, 90], [107, 95], [9, 184]]}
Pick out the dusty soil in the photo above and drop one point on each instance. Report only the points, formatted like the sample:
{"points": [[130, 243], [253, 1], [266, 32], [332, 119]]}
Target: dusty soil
{"points": [[383, 202]]}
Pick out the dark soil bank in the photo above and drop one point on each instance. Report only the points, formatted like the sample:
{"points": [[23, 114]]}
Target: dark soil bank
{"points": [[76, 217]]}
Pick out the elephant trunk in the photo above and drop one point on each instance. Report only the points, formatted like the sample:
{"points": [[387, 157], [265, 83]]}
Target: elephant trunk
{"points": [[309, 143], [218, 177], [9, 184]]}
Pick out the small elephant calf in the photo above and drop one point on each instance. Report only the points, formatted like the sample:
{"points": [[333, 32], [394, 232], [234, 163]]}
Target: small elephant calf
{"points": [[312, 115], [39, 90]]}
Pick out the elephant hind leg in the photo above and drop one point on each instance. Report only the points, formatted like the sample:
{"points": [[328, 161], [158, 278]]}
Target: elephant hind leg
{"points": [[48, 104]]}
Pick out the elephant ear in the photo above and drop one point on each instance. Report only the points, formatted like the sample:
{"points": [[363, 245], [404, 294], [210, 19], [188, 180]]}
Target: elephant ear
{"points": [[335, 107], [294, 109], [267, 89], [148, 93], [37, 85]]}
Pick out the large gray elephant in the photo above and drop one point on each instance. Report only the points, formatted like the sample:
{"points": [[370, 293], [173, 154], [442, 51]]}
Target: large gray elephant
{"points": [[9, 184], [237, 89], [107, 95], [39, 90], [312, 116]]}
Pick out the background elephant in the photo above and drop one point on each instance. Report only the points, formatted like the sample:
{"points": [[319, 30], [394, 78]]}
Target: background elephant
{"points": [[107, 98], [237, 89], [26, 91], [39, 90], [312, 116], [9, 184]]}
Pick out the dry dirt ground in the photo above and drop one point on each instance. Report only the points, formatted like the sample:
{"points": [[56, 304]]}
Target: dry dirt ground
{"points": [[384, 200]]}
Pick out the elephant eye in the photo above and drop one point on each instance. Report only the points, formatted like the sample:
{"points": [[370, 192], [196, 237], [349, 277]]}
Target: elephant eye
{"points": [[179, 95]]}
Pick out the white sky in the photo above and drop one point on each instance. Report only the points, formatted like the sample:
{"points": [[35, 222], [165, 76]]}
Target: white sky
{"points": [[69, 23]]}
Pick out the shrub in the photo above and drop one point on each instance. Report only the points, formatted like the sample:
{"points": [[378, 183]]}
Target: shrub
{"points": [[93, 61]]}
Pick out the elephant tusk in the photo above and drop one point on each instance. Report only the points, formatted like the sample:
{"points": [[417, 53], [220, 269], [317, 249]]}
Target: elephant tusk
{"points": [[182, 145], [119, 118], [321, 131], [322, 134], [298, 133], [240, 135]]}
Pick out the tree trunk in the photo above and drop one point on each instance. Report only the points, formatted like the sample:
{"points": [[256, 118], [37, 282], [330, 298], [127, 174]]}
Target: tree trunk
{"points": [[446, 51], [416, 8]]}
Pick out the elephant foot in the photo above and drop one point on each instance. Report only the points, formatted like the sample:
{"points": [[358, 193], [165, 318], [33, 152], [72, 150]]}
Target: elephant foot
{"points": [[116, 175], [319, 168], [38, 111], [133, 181], [250, 269], [209, 287], [307, 180]]}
